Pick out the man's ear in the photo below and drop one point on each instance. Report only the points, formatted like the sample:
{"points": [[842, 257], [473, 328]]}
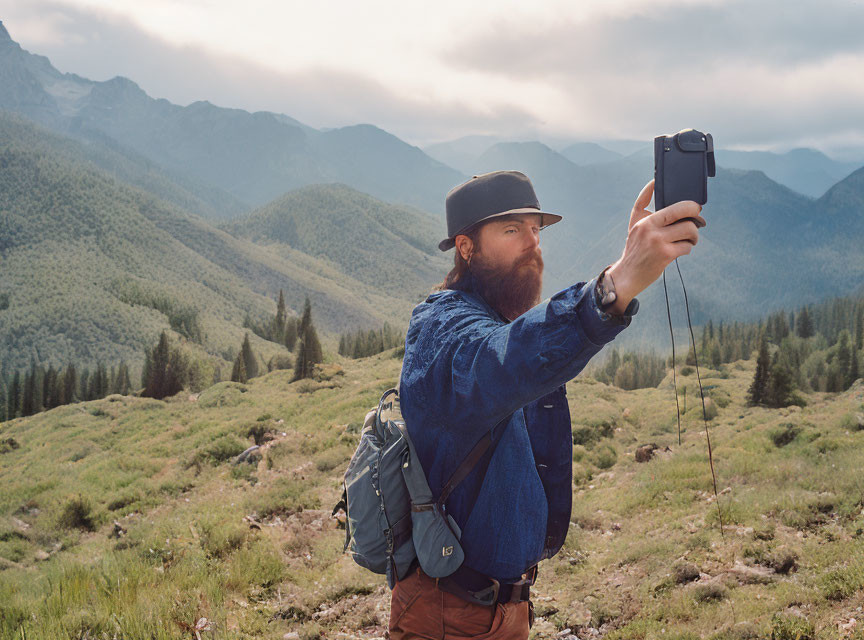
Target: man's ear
{"points": [[464, 246]]}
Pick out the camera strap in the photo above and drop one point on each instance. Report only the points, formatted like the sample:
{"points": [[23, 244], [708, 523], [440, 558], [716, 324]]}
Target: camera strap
{"points": [[698, 378]]}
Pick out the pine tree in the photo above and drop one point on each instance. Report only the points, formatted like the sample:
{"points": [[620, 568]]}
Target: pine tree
{"points": [[146, 369], [306, 319], [859, 328], [804, 325], [279, 321], [28, 397], [156, 382], [290, 334], [302, 368], [779, 385], [4, 399], [314, 353], [122, 384], [69, 389], [249, 359], [844, 358], [238, 373], [308, 354], [13, 409], [756, 392], [691, 356], [47, 389], [83, 385], [854, 369]]}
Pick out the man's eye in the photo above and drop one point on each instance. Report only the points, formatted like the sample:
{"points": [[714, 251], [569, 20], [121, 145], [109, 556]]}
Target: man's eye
{"points": [[509, 230]]}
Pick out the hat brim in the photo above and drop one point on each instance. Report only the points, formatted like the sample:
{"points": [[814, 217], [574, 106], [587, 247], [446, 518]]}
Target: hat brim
{"points": [[548, 218]]}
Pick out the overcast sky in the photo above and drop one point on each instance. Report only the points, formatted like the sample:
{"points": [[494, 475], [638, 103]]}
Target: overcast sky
{"points": [[770, 74]]}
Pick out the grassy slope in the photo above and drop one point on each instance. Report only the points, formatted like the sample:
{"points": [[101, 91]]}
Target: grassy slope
{"points": [[155, 467]]}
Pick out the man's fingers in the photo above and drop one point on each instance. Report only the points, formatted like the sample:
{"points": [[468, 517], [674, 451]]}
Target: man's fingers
{"points": [[681, 231], [674, 212], [642, 201]]}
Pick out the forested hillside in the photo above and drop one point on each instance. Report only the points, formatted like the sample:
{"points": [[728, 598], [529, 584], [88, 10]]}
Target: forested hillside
{"points": [[93, 269], [388, 246]]}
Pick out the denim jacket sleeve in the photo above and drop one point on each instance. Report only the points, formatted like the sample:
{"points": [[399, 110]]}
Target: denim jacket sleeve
{"points": [[482, 369]]}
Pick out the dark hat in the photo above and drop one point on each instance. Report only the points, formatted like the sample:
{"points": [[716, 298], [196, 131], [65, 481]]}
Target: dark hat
{"points": [[490, 195]]}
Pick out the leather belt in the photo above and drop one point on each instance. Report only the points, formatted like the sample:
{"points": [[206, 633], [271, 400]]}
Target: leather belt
{"points": [[490, 594]]}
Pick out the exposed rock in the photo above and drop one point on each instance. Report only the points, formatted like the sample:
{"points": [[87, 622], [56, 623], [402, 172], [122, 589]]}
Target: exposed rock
{"points": [[118, 531], [685, 572], [252, 455]]}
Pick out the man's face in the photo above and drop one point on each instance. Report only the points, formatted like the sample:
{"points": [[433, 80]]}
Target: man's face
{"points": [[508, 262]]}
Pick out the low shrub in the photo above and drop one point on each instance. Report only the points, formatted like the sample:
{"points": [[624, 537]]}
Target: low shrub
{"points": [[784, 434], [77, 513]]}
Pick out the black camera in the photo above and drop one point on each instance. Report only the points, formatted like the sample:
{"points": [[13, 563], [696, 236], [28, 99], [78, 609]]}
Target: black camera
{"points": [[682, 164]]}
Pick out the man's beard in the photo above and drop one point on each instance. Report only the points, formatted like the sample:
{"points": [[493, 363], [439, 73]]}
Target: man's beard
{"points": [[510, 292]]}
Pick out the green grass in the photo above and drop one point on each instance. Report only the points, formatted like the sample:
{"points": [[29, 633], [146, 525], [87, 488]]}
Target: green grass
{"points": [[251, 547]]}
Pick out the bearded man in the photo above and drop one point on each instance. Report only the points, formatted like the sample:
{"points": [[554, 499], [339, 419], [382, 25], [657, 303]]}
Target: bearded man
{"points": [[484, 355]]}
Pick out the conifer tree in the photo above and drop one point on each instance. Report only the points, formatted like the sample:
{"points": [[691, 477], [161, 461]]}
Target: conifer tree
{"points": [[854, 369], [29, 393], [691, 356], [306, 319], [249, 360], [69, 393], [122, 384], [83, 384], [238, 373], [804, 325], [290, 334], [756, 392], [779, 384], [302, 368], [844, 357], [859, 328], [309, 353], [13, 409], [166, 372], [50, 388], [4, 393], [279, 321], [146, 368]]}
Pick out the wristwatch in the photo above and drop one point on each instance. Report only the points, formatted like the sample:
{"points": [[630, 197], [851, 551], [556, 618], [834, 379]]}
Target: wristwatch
{"points": [[605, 289], [605, 296]]}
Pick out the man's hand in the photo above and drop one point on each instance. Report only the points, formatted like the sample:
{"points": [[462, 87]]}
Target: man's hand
{"points": [[654, 239]]}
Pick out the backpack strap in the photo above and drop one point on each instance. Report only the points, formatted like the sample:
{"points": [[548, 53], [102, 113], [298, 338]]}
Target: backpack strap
{"points": [[486, 444]]}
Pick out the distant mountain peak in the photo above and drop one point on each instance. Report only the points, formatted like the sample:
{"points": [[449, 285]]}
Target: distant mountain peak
{"points": [[4, 35]]}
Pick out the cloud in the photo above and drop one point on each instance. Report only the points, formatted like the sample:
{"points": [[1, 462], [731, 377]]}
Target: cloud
{"points": [[661, 40], [100, 46], [766, 73]]}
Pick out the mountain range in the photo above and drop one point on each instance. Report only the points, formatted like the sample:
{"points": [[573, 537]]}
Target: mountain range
{"points": [[107, 191], [94, 268], [807, 171], [253, 157]]}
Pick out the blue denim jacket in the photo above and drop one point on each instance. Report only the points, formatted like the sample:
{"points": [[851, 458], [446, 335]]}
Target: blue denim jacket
{"points": [[467, 369]]}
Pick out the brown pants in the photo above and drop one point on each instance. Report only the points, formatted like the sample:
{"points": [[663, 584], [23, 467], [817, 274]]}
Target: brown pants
{"points": [[420, 610]]}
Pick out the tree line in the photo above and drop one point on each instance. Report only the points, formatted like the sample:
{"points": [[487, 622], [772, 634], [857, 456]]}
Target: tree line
{"points": [[168, 368], [40, 389], [816, 347], [361, 344]]}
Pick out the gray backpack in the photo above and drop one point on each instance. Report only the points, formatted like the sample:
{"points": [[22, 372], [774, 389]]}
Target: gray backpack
{"points": [[391, 515]]}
